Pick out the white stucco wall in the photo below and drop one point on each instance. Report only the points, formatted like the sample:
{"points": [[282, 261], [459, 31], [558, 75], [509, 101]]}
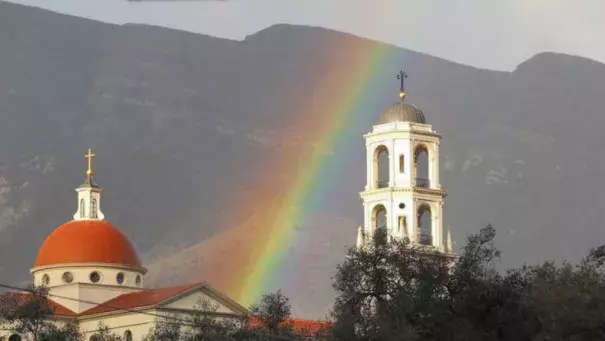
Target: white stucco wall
{"points": [[403, 138], [73, 295]]}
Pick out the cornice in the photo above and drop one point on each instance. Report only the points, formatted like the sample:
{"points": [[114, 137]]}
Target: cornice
{"points": [[418, 190], [405, 133], [142, 271]]}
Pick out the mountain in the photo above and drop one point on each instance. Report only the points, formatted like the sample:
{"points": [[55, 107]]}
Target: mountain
{"points": [[183, 126]]}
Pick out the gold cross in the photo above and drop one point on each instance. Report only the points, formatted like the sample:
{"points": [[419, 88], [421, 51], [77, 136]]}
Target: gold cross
{"points": [[89, 157]]}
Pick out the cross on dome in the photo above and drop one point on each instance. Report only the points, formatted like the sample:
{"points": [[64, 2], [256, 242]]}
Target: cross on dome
{"points": [[402, 76], [89, 156]]}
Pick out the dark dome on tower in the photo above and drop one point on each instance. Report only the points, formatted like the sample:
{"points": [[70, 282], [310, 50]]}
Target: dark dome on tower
{"points": [[403, 112]]}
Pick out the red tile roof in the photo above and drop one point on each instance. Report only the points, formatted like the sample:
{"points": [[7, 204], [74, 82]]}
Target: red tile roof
{"points": [[298, 326], [58, 310], [144, 298]]}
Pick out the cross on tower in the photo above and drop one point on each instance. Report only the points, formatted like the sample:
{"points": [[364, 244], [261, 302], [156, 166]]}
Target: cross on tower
{"points": [[402, 76], [89, 156]]}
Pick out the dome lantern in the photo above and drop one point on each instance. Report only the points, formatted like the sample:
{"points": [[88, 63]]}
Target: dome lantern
{"points": [[89, 195]]}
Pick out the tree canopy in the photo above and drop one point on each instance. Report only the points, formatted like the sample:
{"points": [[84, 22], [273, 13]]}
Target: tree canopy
{"points": [[404, 291]]}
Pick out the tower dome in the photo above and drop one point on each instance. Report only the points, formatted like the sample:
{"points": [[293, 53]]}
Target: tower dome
{"points": [[400, 111], [87, 241], [403, 112]]}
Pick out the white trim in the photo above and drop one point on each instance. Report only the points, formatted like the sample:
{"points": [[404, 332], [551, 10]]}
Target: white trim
{"points": [[140, 270]]}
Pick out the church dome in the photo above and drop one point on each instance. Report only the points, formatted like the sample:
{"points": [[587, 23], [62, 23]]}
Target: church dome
{"points": [[403, 112], [87, 241]]}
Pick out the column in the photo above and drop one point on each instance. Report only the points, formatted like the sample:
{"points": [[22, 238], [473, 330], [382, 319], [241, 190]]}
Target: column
{"points": [[369, 167]]}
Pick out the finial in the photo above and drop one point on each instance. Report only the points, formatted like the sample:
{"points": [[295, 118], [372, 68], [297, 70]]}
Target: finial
{"points": [[89, 156], [402, 76]]}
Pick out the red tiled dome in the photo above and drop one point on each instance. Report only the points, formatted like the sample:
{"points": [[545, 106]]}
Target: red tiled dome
{"points": [[87, 241]]}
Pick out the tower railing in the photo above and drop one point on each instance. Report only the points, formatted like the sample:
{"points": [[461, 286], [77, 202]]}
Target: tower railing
{"points": [[422, 182], [382, 183], [425, 239]]}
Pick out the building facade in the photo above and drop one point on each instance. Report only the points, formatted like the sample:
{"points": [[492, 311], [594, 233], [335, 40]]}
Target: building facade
{"points": [[94, 275]]}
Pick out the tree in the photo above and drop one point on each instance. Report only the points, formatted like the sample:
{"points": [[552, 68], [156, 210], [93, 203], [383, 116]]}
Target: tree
{"points": [[205, 325], [166, 329], [402, 291], [31, 315], [405, 291], [568, 301], [103, 333], [273, 314], [68, 331]]}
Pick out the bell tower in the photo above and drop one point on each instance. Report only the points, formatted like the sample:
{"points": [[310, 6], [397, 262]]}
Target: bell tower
{"points": [[89, 196], [403, 191]]}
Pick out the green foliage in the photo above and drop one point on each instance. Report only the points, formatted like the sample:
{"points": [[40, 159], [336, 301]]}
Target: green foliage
{"points": [[203, 324], [206, 324], [30, 315], [166, 329], [68, 331], [273, 314], [403, 291], [103, 333]]}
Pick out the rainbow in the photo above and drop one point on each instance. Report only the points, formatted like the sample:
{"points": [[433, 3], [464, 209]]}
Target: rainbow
{"points": [[352, 84]]}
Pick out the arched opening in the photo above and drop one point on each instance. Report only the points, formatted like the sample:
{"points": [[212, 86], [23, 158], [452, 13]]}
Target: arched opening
{"points": [[379, 223], [379, 217], [15, 337], [93, 208], [381, 167], [421, 166], [401, 164], [402, 227], [94, 337], [425, 225], [127, 335], [82, 208], [45, 280]]}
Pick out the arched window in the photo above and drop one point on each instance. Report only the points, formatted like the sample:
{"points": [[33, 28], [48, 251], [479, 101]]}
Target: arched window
{"points": [[421, 167], [15, 337], [379, 217], [82, 209], [381, 167], [93, 208], [425, 225], [379, 222], [127, 336], [401, 164], [402, 227]]}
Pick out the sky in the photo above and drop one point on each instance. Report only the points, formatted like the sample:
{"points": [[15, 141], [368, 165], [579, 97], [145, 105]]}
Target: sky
{"points": [[492, 34]]}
